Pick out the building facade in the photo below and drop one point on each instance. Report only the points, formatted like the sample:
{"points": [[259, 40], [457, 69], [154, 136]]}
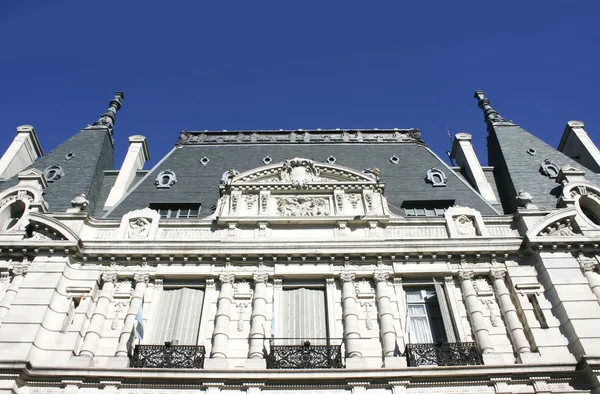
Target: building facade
{"points": [[300, 261]]}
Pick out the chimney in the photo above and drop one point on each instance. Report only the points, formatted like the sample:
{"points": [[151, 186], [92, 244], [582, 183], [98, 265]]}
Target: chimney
{"points": [[464, 154], [576, 144], [23, 151], [134, 160]]}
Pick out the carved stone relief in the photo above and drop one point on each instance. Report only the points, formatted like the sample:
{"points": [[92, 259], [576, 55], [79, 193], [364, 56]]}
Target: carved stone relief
{"points": [[353, 199], [138, 228], [465, 225], [299, 172], [303, 206]]}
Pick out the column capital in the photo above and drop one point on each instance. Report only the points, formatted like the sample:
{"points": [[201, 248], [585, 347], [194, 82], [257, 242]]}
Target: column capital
{"points": [[109, 276], [381, 276], [466, 275], [141, 277], [347, 276], [227, 277], [587, 265], [20, 269], [260, 277], [497, 274]]}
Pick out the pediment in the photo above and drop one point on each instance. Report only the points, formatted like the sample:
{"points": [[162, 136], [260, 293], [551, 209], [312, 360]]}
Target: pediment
{"points": [[300, 173]]}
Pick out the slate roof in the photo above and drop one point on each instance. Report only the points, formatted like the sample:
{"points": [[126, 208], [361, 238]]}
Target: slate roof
{"points": [[93, 154], [515, 169], [245, 150]]}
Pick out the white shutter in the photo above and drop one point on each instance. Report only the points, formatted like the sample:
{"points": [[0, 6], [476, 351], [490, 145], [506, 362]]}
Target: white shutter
{"points": [[303, 314], [178, 317]]}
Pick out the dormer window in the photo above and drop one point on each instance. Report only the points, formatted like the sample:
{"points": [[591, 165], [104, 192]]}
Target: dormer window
{"points": [[177, 211], [426, 208], [165, 179]]}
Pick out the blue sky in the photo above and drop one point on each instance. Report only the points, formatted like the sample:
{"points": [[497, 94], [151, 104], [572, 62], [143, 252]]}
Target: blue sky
{"points": [[195, 65]]}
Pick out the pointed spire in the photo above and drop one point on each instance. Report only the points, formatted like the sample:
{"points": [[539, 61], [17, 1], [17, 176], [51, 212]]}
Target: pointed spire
{"points": [[108, 118], [490, 115]]}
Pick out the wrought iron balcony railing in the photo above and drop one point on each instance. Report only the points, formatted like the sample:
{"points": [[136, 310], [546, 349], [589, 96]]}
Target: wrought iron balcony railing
{"points": [[443, 354], [305, 354], [168, 356]]}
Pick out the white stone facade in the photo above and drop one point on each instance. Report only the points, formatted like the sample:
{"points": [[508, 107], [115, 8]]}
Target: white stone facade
{"points": [[522, 291]]}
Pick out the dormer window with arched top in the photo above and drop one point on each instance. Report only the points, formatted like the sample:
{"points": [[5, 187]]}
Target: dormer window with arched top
{"points": [[550, 169], [165, 179], [436, 177]]}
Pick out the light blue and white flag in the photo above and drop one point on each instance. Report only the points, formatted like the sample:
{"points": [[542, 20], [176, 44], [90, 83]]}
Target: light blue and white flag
{"points": [[139, 328]]}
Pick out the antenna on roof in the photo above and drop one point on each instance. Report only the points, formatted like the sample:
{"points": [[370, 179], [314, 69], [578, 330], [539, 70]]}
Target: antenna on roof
{"points": [[451, 140]]}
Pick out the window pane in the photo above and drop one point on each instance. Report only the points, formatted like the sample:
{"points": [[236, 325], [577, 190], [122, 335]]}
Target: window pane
{"points": [[414, 296], [419, 331]]}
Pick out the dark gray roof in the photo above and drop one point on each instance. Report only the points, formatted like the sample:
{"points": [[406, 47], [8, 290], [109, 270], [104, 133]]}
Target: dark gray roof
{"points": [[357, 149], [516, 169], [93, 154]]}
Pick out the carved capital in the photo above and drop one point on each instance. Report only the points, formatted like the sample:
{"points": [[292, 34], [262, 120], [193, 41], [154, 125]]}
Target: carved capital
{"points": [[210, 283], [381, 276], [260, 277], [20, 269], [109, 276], [497, 274], [226, 278], [449, 279], [330, 282], [466, 275], [587, 265], [141, 277], [347, 276]]}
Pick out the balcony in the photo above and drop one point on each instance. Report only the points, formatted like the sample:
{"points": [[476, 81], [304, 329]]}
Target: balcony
{"points": [[443, 354], [168, 356], [305, 354]]}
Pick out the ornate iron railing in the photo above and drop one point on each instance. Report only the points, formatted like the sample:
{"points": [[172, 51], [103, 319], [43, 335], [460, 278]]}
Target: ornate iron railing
{"points": [[305, 354], [443, 353], [168, 356]]}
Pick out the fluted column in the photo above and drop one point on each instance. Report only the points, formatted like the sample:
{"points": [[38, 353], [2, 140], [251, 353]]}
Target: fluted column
{"points": [[141, 284], [259, 315], [350, 315], [509, 312], [589, 271], [384, 310], [19, 272], [221, 334], [94, 331], [482, 333]]}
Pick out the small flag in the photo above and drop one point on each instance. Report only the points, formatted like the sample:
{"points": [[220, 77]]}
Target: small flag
{"points": [[139, 329]]}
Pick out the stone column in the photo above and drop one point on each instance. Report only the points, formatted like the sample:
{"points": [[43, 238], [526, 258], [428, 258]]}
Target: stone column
{"points": [[141, 284], [589, 271], [384, 310], [509, 312], [350, 315], [482, 333], [221, 334], [94, 331], [259, 315], [19, 272]]}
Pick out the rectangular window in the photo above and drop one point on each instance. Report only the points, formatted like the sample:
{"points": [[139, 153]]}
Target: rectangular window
{"points": [[177, 211], [178, 317], [302, 314], [425, 323], [426, 208]]}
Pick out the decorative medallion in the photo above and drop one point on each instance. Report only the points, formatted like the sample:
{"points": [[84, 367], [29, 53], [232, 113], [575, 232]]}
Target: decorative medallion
{"points": [[165, 179], [53, 173], [299, 172]]}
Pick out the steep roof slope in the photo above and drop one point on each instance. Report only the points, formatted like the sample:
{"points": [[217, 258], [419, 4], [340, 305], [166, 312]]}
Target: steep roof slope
{"points": [[400, 155], [517, 157], [83, 158]]}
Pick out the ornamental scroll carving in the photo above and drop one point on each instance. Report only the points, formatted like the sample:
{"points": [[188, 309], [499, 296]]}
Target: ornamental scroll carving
{"points": [[303, 206], [138, 228], [299, 172], [465, 225]]}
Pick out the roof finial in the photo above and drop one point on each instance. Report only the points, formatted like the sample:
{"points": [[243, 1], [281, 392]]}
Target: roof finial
{"points": [[108, 118], [490, 115]]}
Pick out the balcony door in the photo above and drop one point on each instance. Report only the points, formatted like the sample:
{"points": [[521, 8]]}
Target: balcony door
{"points": [[178, 317], [425, 321], [302, 315]]}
